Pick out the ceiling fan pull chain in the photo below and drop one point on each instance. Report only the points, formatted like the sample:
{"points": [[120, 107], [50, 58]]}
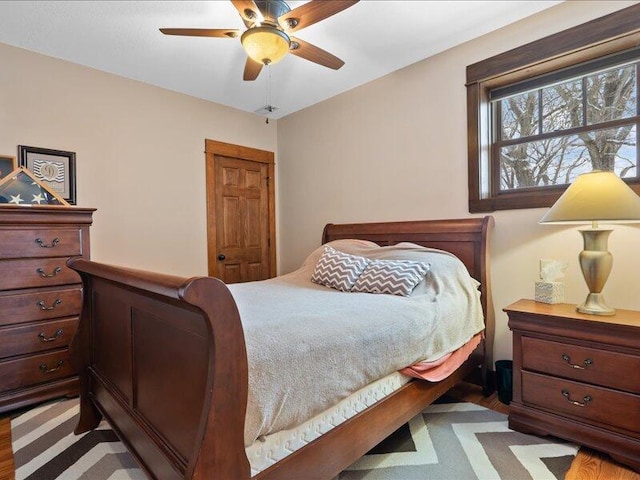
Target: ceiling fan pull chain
{"points": [[268, 93], [269, 86]]}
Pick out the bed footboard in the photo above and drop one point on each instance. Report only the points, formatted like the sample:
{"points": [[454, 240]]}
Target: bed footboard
{"points": [[163, 359]]}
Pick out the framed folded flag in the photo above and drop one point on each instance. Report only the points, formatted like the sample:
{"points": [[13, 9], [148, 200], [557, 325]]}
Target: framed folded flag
{"points": [[20, 187]]}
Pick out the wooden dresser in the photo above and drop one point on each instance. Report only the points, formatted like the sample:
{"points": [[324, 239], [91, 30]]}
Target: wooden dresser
{"points": [[577, 377], [40, 299]]}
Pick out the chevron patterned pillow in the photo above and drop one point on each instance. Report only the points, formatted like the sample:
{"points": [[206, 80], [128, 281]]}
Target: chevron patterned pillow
{"points": [[338, 270], [396, 277]]}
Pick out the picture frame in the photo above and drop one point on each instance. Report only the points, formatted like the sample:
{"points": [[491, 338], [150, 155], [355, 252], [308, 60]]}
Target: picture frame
{"points": [[56, 169], [7, 165]]}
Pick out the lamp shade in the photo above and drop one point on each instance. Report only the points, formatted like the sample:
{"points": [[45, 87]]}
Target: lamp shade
{"points": [[266, 45], [596, 196]]}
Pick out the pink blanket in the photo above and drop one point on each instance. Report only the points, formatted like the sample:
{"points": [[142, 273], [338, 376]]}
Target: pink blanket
{"points": [[444, 366]]}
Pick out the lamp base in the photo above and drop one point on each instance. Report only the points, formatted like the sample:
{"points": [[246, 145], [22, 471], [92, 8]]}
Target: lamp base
{"points": [[595, 305], [596, 263]]}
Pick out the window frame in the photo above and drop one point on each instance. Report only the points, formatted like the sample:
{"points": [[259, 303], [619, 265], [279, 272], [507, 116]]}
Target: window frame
{"points": [[590, 41]]}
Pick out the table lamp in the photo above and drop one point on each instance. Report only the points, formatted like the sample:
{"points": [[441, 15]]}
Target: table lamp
{"points": [[595, 197]]}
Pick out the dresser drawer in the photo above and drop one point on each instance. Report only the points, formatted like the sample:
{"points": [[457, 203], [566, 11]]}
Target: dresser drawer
{"points": [[590, 403], [36, 272], [40, 242], [585, 364], [50, 303], [37, 337], [27, 371]]}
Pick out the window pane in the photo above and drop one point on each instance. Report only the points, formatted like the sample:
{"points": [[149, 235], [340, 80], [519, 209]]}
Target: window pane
{"points": [[611, 95], [562, 106], [613, 149], [519, 115], [543, 163], [558, 161]]}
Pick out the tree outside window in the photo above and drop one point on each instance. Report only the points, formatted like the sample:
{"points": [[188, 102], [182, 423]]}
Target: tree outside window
{"points": [[549, 135]]}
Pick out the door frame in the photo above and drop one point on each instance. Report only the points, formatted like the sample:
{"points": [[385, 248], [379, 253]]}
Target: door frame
{"points": [[213, 148]]}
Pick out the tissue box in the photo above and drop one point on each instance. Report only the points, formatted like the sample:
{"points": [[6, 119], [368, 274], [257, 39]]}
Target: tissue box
{"points": [[549, 292]]}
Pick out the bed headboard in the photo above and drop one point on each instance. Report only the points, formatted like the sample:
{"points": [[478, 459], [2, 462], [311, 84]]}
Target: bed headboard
{"points": [[466, 238]]}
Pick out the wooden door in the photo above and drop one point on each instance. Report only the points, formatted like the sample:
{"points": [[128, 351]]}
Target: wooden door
{"points": [[240, 212]]}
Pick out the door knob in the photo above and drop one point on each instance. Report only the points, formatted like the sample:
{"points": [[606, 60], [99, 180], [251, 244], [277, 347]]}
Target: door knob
{"points": [[221, 257]]}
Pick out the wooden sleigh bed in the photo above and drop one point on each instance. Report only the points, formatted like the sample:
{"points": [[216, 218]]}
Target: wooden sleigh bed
{"points": [[140, 333]]}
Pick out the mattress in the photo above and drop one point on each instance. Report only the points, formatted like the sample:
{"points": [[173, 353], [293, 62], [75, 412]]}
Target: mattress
{"points": [[269, 449]]}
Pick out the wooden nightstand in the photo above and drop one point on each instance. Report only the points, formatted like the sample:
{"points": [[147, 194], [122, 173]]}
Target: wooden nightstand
{"points": [[577, 377]]}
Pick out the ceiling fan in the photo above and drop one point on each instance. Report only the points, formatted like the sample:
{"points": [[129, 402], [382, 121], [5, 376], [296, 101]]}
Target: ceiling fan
{"points": [[269, 26]]}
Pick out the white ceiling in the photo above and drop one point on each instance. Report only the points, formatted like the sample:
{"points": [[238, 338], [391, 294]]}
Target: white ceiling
{"points": [[373, 37]]}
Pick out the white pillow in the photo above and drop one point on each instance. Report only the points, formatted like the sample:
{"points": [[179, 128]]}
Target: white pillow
{"points": [[338, 270], [396, 277]]}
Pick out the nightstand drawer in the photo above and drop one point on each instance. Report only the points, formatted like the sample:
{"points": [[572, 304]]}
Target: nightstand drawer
{"points": [[590, 403], [39, 242], [37, 337], [27, 371], [37, 272], [585, 364], [29, 307]]}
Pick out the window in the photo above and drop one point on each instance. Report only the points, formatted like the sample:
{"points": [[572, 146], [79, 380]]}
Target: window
{"points": [[537, 118], [548, 135]]}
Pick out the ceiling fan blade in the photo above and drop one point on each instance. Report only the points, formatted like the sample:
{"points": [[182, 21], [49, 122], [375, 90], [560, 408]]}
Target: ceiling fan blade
{"points": [[202, 32], [311, 13], [249, 11], [251, 69], [314, 54]]}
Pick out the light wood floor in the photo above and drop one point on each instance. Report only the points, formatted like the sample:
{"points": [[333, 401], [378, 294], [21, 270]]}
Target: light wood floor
{"points": [[6, 456], [588, 465]]}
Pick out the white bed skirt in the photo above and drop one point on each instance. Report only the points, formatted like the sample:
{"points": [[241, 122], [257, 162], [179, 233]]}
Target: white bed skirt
{"points": [[272, 448]]}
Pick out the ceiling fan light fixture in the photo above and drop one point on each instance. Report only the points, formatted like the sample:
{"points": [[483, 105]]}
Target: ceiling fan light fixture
{"points": [[265, 44]]}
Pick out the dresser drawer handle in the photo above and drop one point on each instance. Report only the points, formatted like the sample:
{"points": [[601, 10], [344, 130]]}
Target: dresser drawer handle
{"points": [[53, 305], [53, 243], [43, 338], [55, 272], [45, 369], [586, 399], [586, 363]]}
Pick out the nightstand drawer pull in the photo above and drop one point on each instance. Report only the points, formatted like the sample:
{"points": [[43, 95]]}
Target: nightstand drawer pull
{"points": [[586, 363], [53, 243], [55, 272], [586, 399], [53, 305], [43, 338], [45, 369]]}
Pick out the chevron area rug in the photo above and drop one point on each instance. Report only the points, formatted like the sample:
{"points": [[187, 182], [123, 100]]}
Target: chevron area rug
{"points": [[458, 441], [451, 441]]}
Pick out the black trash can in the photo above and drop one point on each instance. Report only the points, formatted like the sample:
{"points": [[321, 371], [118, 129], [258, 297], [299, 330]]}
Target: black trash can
{"points": [[504, 380]]}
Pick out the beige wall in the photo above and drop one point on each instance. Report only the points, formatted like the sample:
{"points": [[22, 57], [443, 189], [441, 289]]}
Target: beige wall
{"points": [[395, 149], [139, 151]]}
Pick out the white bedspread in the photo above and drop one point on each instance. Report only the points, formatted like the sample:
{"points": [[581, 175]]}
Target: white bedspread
{"points": [[309, 346]]}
